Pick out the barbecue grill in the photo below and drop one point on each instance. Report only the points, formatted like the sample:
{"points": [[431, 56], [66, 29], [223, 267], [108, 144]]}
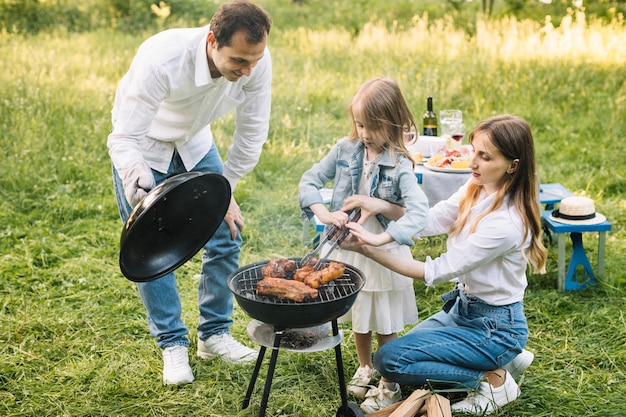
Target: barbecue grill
{"points": [[278, 316]]}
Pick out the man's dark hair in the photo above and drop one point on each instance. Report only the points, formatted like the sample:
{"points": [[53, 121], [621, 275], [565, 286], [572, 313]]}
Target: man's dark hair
{"points": [[240, 15]]}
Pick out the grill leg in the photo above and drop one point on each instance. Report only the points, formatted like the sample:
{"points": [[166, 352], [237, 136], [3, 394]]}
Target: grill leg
{"points": [[340, 373], [255, 374], [270, 372]]}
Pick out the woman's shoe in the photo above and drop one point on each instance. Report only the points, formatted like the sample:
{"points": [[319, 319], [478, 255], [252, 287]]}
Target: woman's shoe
{"points": [[520, 363], [487, 399]]}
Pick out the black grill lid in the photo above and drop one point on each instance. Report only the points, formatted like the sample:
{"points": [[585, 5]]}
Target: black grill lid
{"points": [[172, 223]]}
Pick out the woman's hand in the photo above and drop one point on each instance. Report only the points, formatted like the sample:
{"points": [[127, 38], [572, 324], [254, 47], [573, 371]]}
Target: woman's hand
{"points": [[365, 237], [352, 243], [360, 240], [371, 206]]}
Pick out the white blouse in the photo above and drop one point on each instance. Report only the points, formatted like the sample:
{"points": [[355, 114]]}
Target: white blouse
{"points": [[489, 261]]}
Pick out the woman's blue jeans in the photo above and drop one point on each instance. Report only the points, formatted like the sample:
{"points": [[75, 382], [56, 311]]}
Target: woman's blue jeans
{"points": [[219, 259], [455, 347]]}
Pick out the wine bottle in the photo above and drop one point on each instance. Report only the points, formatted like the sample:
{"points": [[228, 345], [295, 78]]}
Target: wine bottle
{"points": [[430, 119]]}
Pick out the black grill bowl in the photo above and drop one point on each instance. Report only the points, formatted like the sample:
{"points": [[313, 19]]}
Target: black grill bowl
{"points": [[335, 299]]}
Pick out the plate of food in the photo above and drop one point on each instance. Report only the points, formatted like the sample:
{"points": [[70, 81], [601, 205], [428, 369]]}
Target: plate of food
{"points": [[450, 160], [453, 170], [418, 158]]}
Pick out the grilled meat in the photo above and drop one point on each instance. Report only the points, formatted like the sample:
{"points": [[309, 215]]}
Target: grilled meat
{"points": [[303, 272], [286, 288], [314, 278], [279, 268]]}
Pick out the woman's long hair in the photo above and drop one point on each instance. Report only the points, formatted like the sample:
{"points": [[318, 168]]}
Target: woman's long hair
{"points": [[511, 135], [385, 111]]}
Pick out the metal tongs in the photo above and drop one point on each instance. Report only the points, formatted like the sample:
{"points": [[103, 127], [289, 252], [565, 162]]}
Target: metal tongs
{"points": [[334, 233]]}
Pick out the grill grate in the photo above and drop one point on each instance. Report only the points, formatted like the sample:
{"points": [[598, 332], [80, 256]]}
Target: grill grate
{"points": [[246, 281]]}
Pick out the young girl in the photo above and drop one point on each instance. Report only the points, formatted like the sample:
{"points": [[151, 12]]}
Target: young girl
{"points": [[494, 232], [373, 161]]}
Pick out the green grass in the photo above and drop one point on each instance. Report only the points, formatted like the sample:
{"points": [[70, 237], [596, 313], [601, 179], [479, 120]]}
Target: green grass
{"points": [[73, 337]]}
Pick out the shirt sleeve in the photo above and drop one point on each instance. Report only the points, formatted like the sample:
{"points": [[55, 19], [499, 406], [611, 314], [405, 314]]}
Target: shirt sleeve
{"points": [[252, 120], [416, 214], [315, 178], [137, 102]]}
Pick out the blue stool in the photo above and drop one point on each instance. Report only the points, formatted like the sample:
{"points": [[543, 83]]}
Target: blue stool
{"points": [[551, 194], [572, 281]]}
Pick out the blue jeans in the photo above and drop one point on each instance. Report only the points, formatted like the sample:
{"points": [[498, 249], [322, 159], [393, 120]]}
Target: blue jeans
{"points": [[455, 347], [219, 259]]}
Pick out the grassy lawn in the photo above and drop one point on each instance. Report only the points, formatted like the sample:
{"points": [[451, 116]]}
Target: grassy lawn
{"points": [[73, 337]]}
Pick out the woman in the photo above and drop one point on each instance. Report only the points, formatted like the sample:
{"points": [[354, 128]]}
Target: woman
{"points": [[494, 232]]}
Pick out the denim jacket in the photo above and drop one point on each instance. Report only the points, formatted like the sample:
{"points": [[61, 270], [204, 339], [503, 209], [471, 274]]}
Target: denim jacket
{"points": [[394, 181]]}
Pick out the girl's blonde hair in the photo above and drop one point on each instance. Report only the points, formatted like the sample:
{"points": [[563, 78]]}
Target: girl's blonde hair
{"points": [[511, 135], [385, 111]]}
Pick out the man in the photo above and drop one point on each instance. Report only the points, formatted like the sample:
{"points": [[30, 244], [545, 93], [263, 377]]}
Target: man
{"points": [[178, 83]]}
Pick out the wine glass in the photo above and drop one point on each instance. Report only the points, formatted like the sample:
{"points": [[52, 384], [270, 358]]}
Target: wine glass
{"points": [[457, 133], [448, 118], [410, 138]]}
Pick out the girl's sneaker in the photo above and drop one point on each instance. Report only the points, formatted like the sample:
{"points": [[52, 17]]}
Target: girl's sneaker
{"points": [[362, 381], [386, 394]]}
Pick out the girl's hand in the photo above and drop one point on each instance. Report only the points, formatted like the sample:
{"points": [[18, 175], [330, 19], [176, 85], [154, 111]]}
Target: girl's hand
{"points": [[337, 218]]}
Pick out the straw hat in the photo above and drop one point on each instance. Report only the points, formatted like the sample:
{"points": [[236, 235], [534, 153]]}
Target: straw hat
{"points": [[577, 210]]}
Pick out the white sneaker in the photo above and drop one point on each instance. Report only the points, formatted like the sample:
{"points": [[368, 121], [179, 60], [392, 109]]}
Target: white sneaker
{"points": [[487, 399], [176, 369], [227, 348], [519, 364], [361, 382], [381, 397]]}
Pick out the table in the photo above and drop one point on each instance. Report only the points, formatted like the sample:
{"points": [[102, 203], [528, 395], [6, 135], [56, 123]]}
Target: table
{"points": [[439, 185]]}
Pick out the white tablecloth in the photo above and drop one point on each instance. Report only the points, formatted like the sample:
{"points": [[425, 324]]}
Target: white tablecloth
{"points": [[439, 185]]}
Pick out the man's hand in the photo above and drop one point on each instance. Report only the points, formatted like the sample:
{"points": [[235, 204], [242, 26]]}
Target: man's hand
{"points": [[138, 180], [234, 218]]}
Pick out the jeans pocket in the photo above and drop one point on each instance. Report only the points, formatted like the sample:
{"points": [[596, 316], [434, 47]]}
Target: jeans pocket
{"points": [[449, 299]]}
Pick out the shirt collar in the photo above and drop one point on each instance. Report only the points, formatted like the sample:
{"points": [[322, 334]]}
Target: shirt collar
{"points": [[385, 158]]}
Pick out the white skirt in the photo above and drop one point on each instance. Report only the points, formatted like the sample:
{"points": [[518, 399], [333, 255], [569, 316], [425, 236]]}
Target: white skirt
{"points": [[386, 304]]}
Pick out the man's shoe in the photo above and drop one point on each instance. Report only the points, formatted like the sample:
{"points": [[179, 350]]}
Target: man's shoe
{"points": [[361, 382], [487, 399], [228, 349], [176, 369], [519, 364], [381, 397]]}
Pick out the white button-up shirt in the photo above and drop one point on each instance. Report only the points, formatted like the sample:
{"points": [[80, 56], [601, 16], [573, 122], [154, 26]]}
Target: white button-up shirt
{"points": [[488, 261], [167, 100]]}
